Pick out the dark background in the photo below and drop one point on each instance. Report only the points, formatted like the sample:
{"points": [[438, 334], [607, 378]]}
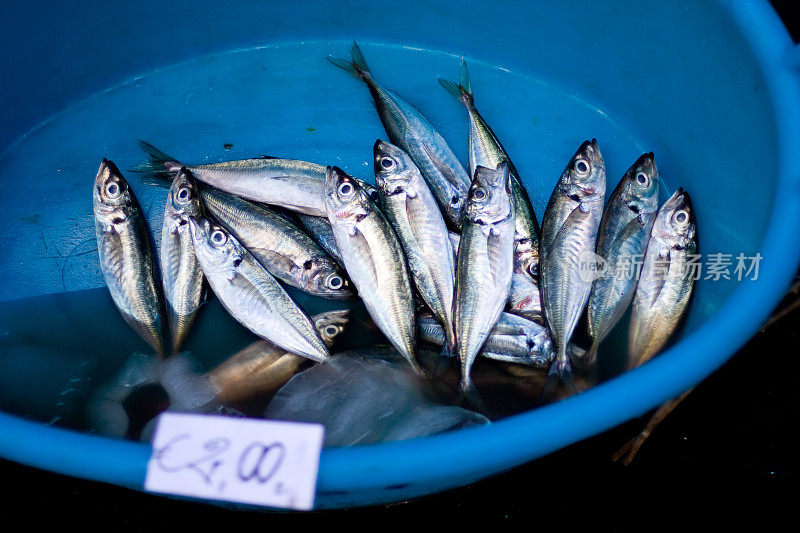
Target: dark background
{"points": [[727, 455]]}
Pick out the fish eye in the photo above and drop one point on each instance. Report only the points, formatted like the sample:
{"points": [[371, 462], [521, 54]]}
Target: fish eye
{"points": [[681, 217], [184, 194], [334, 282], [218, 237], [113, 190], [454, 200], [641, 178], [331, 330], [387, 163], [479, 193], [346, 190], [581, 167]]}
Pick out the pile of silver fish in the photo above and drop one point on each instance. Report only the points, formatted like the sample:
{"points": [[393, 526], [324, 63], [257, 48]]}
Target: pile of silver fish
{"points": [[436, 251]]}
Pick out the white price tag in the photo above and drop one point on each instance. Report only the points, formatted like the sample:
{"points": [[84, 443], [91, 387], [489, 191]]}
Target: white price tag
{"points": [[262, 462]]}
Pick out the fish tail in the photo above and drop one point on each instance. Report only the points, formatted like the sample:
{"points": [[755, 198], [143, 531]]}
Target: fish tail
{"points": [[356, 65], [448, 350], [443, 363], [461, 91], [469, 395], [160, 165], [560, 376], [589, 359]]}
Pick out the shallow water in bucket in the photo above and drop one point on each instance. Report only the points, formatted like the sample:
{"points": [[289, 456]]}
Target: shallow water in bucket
{"points": [[61, 337]]}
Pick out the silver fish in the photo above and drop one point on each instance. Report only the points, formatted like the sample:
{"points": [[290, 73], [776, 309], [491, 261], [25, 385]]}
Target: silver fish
{"points": [[569, 235], [485, 263], [262, 367], [524, 299], [621, 241], [666, 281], [322, 232], [180, 271], [512, 340], [296, 185], [412, 210], [250, 294], [286, 251], [412, 132], [486, 150], [374, 260], [126, 255]]}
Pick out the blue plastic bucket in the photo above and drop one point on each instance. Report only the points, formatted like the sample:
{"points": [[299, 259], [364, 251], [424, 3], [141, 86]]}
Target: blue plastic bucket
{"points": [[711, 87]]}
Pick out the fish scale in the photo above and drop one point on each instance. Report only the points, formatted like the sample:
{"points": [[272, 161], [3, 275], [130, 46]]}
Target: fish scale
{"points": [[660, 301], [285, 250], [485, 263], [569, 230], [126, 255], [374, 260], [411, 208], [411, 131], [250, 294], [180, 270]]}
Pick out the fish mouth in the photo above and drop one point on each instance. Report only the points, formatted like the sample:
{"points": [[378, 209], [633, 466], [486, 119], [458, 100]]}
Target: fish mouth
{"points": [[679, 198], [647, 164], [333, 177], [379, 148], [590, 149], [686, 200], [198, 227], [340, 316], [106, 170]]}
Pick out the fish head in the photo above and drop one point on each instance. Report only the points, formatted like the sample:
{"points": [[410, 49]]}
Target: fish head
{"points": [[184, 196], [345, 199], [489, 199], [526, 257], [215, 247], [675, 222], [326, 278], [585, 175], [540, 348], [393, 168], [369, 190], [640, 185], [112, 196], [331, 324]]}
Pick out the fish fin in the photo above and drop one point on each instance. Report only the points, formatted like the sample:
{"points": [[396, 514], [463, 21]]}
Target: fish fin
{"points": [[276, 264], [660, 279], [462, 91], [160, 165], [358, 57], [448, 350], [445, 169], [356, 65], [559, 377], [562, 234], [440, 367], [634, 225], [468, 394], [359, 240]]}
